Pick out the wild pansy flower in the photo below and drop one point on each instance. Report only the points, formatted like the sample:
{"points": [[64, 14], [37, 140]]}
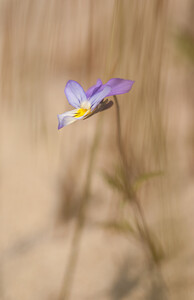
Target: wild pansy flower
{"points": [[87, 103]]}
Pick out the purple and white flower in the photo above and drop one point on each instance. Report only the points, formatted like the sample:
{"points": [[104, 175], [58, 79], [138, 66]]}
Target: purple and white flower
{"points": [[86, 103]]}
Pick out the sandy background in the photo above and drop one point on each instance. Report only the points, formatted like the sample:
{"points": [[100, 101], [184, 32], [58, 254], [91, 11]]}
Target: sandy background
{"points": [[43, 171]]}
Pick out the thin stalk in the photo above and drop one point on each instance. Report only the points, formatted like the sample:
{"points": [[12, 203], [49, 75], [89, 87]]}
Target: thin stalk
{"points": [[142, 226], [120, 146], [138, 211]]}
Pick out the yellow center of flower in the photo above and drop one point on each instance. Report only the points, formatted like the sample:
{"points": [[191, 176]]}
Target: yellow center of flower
{"points": [[80, 112], [83, 110]]}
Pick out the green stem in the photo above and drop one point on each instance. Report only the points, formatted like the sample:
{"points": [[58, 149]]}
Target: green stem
{"points": [[138, 211], [144, 232]]}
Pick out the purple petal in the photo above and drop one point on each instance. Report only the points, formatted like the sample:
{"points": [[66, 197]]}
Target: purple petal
{"points": [[93, 89], [75, 93], [119, 86], [98, 97]]}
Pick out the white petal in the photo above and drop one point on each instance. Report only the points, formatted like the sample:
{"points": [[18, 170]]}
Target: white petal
{"points": [[66, 118]]}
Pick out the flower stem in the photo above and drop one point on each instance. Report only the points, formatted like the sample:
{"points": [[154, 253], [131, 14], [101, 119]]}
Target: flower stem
{"points": [[137, 208], [139, 214]]}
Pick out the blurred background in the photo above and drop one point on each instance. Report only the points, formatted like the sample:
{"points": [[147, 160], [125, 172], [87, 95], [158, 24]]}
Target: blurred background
{"points": [[61, 206]]}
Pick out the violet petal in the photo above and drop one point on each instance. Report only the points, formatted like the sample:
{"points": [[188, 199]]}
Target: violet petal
{"points": [[75, 93], [99, 96], [93, 89], [119, 86]]}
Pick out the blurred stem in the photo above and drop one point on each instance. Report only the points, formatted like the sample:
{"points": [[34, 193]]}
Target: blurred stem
{"points": [[140, 219], [120, 146], [72, 261], [139, 214]]}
